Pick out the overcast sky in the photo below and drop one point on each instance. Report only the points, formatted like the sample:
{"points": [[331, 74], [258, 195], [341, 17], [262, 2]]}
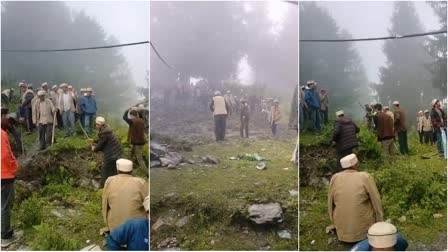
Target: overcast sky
{"points": [[127, 21], [372, 19]]}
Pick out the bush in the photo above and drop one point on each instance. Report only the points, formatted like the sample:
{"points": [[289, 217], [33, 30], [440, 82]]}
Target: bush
{"points": [[48, 238], [369, 147], [29, 212]]}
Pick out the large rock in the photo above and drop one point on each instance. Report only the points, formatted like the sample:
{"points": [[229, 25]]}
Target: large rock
{"points": [[157, 150], [266, 213], [171, 159], [210, 159]]}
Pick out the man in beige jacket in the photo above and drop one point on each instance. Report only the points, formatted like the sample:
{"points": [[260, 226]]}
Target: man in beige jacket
{"points": [[43, 117], [66, 106], [220, 109], [123, 196], [354, 203]]}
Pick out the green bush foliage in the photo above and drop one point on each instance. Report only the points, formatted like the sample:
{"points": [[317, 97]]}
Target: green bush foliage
{"points": [[47, 237], [29, 212]]}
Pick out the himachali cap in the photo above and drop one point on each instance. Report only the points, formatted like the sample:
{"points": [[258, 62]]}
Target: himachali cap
{"points": [[349, 161], [63, 85], [44, 84], [83, 90], [434, 102], [310, 82], [382, 235], [40, 93], [340, 112], [426, 111], [22, 84], [124, 165], [54, 86], [395, 103], [146, 203], [100, 120], [89, 89], [386, 107]]}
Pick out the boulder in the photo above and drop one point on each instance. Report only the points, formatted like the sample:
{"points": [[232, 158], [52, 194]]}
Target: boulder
{"points": [[210, 159], [266, 213]]}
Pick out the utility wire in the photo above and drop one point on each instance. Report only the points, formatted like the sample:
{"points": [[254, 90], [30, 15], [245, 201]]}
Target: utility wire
{"points": [[377, 38], [160, 57], [80, 49]]}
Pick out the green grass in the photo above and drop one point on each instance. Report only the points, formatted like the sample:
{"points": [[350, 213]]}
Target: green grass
{"points": [[32, 213], [218, 195], [409, 186]]}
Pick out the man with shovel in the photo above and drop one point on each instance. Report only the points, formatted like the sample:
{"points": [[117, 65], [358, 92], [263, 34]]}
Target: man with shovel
{"points": [[44, 118], [344, 135]]}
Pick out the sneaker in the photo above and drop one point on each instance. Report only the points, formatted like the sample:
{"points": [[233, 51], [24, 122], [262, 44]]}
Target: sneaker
{"points": [[14, 238]]}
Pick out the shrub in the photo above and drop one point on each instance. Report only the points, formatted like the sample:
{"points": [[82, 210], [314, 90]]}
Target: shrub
{"points": [[29, 212], [48, 238], [369, 147]]}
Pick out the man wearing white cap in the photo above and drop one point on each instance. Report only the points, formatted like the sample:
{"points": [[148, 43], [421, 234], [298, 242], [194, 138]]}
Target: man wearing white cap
{"points": [[123, 196], [384, 130], [420, 118], [388, 112], [54, 97], [110, 146], [136, 136], [43, 117], [67, 108], [134, 233], [439, 121], [88, 109], [427, 128], [354, 203], [44, 87], [382, 236], [401, 128], [313, 104], [220, 109], [344, 135], [7, 95]]}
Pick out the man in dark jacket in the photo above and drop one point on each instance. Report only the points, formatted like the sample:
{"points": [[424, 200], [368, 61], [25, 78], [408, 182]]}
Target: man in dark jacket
{"points": [[439, 120], [312, 101], [401, 128], [136, 136], [344, 135], [385, 130], [110, 146], [87, 110]]}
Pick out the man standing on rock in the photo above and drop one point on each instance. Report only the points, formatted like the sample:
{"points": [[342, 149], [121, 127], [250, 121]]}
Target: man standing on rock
{"points": [[220, 109], [344, 135], [401, 128], [354, 203], [136, 136], [123, 196], [43, 117], [110, 146], [384, 130], [9, 167]]}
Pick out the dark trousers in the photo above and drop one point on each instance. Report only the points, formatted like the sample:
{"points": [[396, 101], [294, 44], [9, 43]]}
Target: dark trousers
{"points": [[342, 154], [29, 119], [244, 127], [220, 127], [109, 169], [324, 116], [7, 203], [420, 136], [17, 139], [274, 129], [59, 119], [403, 141], [427, 136], [45, 132]]}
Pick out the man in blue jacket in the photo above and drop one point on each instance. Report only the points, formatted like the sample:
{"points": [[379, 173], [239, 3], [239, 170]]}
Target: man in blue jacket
{"points": [[133, 234], [88, 109], [313, 102]]}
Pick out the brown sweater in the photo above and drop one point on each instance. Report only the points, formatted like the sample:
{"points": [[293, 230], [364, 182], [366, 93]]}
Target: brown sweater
{"points": [[400, 120], [384, 127]]}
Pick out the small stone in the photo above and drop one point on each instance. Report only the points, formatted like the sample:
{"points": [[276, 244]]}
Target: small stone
{"points": [[182, 221], [313, 241], [284, 234], [330, 240], [437, 216], [294, 193], [212, 242], [88, 241], [261, 166], [286, 168], [57, 214], [402, 218]]}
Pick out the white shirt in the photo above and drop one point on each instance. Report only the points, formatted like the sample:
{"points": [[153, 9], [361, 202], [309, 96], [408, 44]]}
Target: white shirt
{"points": [[66, 101]]}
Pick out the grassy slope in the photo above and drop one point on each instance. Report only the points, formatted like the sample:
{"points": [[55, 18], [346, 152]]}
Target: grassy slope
{"points": [[410, 187], [45, 231], [218, 192]]}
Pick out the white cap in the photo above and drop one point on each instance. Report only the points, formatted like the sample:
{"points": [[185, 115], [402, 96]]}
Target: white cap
{"points": [[22, 84], [141, 106], [420, 111], [373, 103], [275, 101], [70, 86], [100, 120], [146, 203], [310, 82], [382, 235], [63, 85], [349, 161], [386, 107], [89, 89], [54, 86], [228, 91], [41, 92], [44, 84], [434, 102], [124, 165], [82, 90], [340, 112], [217, 93], [395, 103], [426, 111]]}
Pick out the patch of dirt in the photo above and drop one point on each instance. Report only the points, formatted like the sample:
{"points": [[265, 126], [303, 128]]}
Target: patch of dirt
{"points": [[317, 164]]}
